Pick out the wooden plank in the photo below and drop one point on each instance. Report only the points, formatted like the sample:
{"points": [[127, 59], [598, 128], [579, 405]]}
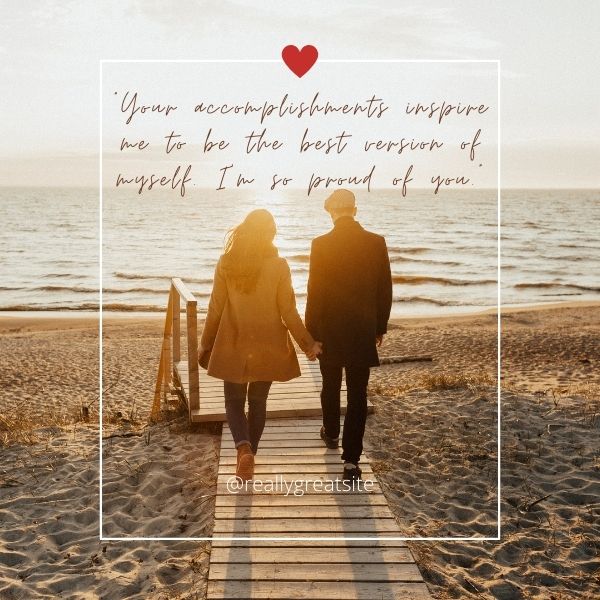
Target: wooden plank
{"points": [[294, 423], [289, 527], [295, 468], [240, 500], [268, 458], [306, 459], [297, 554], [315, 590], [290, 391], [397, 573], [277, 396], [311, 434], [205, 415], [277, 402], [291, 443], [304, 377], [306, 374], [295, 451], [339, 541], [275, 409], [297, 512], [216, 391], [210, 383], [182, 290], [289, 395], [280, 432], [218, 397], [311, 427]]}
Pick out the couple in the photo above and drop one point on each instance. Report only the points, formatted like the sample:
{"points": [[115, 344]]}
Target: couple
{"points": [[252, 311]]}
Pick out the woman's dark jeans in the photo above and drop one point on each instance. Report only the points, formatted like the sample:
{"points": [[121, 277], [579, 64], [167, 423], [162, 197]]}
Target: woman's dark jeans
{"points": [[246, 430]]}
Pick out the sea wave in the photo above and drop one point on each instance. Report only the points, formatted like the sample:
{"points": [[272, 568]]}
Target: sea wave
{"points": [[532, 225], [561, 294], [428, 261], [421, 279], [86, 306], [556, 284], [579, 246], [115, 306], [426, 300], [94, 290], [409, 249], [121, 275]]}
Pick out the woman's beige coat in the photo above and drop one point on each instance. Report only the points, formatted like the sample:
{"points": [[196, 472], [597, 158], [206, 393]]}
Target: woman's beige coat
{"points": [[246, 335]]}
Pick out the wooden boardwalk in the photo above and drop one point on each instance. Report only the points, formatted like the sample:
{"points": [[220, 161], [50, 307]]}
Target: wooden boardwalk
{"points": [[337, 568], [247, 560]]}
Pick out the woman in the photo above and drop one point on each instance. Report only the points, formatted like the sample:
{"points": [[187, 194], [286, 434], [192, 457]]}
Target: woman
{"points": [[246, 341]]}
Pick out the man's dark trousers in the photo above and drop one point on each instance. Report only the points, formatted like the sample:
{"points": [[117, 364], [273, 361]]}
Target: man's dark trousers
{"points": [[357, 379]]}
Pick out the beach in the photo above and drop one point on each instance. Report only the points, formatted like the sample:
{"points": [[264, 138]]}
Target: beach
{"points": [[432, 442]]}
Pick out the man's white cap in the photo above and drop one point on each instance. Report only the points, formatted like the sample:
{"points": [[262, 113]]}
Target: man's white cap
{"points": [[340, 199]]}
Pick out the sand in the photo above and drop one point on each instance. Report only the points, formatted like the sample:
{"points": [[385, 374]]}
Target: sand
{"points": [[439, 474], [432, 440], [49, 543]]}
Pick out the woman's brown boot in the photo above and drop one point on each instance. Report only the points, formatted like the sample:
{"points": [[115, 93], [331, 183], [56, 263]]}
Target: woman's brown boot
{"points": [[245, 462]]}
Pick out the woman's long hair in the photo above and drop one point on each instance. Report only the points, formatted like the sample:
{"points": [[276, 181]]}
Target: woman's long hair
{"points": [[246, 247]]}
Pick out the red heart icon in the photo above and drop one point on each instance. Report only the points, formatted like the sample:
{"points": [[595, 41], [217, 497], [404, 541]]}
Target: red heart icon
{"points": [[299, 61]]}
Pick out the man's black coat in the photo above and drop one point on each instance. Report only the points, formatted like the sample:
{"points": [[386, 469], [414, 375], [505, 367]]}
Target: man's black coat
{"points": [[349, 293]]}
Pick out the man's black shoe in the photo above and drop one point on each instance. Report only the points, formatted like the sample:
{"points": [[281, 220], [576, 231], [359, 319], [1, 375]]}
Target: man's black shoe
{"points": [[330, 442], [352, 473]]}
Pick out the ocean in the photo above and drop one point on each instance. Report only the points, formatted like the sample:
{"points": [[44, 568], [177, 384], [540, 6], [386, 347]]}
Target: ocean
{"points": [[443, 249]]}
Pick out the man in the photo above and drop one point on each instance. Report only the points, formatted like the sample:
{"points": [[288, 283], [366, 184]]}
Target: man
{"points": [[347, 309]]}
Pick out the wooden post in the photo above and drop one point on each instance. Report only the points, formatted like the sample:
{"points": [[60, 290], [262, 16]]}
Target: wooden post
{"points": [[176, 329], [164, 366], [168, 365], [192, 340], [170, 355]]}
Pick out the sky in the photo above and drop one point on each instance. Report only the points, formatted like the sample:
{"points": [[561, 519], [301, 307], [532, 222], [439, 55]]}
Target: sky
{"points": [[549, 51]]}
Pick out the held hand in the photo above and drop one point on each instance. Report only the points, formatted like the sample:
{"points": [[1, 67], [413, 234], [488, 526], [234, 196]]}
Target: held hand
{"points": [[313, 352], [379, 340]]}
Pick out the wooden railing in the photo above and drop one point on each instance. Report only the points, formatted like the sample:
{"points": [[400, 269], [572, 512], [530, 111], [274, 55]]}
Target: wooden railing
{"points": [[170, 357]]}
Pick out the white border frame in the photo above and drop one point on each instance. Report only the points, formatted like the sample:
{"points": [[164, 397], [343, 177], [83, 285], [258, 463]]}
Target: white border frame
{"points": [[497, 62]]}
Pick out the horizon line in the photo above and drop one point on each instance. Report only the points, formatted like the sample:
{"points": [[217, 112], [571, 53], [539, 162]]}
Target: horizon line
{"points": [[210, 189]]}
